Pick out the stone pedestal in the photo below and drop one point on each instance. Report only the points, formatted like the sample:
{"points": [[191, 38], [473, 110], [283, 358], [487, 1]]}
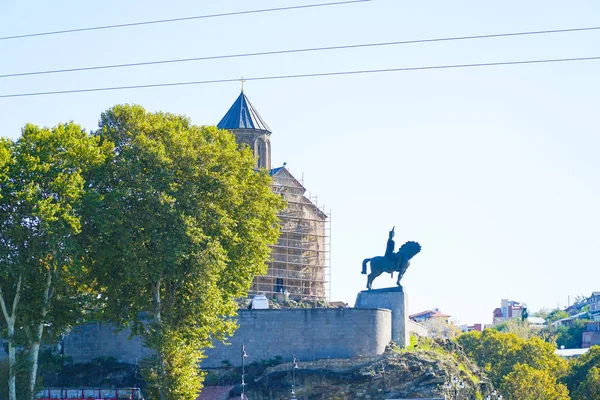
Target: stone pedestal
{"points": [[393, 299]]}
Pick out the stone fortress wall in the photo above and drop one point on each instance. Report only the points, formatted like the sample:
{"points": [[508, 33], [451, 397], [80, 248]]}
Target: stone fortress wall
{"points": [[97, 340], [307, 334]]}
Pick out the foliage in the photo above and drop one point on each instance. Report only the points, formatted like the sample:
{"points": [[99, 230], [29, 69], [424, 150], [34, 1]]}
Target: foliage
{"points": [[542, 313], [555, 315], [41, 267], [180, 374], [22, 373], [584, 374], [569, 336], [590, 387], [580, 300], [516, 326], [179, 225], [439, 328], [498, 353], [528, 383], [413, 340]]}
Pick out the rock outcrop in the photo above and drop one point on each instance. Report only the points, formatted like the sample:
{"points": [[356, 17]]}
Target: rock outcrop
{"points": [[425, 371]]}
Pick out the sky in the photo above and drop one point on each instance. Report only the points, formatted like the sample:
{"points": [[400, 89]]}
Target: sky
{"points": [[494, 171]]}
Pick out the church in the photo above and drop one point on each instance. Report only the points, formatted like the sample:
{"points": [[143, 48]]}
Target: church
{"points": [[299, 265], [298, 269]]}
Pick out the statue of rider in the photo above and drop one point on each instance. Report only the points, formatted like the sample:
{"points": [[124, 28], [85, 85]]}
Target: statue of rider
{"points": [[389, 250]]}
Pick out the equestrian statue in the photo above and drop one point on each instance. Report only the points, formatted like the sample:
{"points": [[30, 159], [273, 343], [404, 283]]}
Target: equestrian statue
{"points": [[391, 261]]}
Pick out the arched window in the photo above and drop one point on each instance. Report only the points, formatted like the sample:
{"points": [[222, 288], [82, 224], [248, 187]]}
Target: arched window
{"points": [[262, 152]]}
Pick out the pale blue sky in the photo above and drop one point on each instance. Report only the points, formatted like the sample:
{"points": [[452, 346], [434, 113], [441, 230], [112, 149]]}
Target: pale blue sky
{"points": [[493, 170]]}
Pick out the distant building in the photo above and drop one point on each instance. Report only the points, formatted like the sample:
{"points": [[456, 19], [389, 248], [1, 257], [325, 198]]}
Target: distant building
{"points": [[469, 328], [509, 309], [429, 314], [299, 266], [591, 336], [594, 302], [588, 309], [436, 324], [570, 353], [536, 322], [569, 320], [590, 304]]}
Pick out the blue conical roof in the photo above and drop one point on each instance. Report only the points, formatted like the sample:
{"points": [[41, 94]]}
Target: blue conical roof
{"points": [[243, 115]]}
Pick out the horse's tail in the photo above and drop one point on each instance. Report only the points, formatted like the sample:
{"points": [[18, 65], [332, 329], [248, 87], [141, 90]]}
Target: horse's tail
{"points": [[364, 269]]}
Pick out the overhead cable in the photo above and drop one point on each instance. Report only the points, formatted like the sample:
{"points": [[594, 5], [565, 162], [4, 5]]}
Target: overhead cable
{"points": [[297, 76], [302, 50], [163, 21]]}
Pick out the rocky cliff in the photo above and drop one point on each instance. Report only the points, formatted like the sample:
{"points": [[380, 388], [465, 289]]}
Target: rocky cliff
{"points": [[426, 370]]}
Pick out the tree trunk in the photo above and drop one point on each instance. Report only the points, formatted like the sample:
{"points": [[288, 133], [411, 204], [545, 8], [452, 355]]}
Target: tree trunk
{"points": [[39, 331], [10, 323], [156, 303], [12, 381], [35, 351], [158, 326]]}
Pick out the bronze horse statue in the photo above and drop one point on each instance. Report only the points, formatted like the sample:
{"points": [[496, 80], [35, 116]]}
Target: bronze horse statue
{"points": [[395, 262]]}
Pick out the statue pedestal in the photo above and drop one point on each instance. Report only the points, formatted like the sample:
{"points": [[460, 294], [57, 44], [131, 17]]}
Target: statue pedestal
{"points": [[393, 299]]}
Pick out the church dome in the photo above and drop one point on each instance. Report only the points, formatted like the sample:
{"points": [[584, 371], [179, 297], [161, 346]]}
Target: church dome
{"points": [[243, 115]]}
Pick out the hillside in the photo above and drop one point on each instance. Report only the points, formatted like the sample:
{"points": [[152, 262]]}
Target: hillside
{"points": [[422, 371]]}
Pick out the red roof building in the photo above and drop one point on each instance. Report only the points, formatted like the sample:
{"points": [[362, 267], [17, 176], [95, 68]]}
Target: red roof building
{"points": [[429, 314]]}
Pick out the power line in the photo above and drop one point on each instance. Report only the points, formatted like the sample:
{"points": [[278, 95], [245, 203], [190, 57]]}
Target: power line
{"points": [[303, 50], [163, 21], [297, 76]]}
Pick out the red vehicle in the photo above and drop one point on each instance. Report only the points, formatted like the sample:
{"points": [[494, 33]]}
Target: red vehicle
{"points": [[89, 394]]}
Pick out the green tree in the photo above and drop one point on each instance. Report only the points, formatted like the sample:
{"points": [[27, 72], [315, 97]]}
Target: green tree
{"points": [[569, 336], [541, 355], [527, 383], [497, 354], [590, 387], [441, 329], [40, 201], [555, 315], [542, 313], [470, 343], [583, 374], [520, 328], [180, 225]]}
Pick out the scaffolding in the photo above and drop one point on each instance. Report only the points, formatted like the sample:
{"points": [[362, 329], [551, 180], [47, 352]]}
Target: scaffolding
{"points": [[300, 261]]}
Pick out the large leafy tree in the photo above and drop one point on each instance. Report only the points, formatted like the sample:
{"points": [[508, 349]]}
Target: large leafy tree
{"points": [[498, 353], [41, 194], [590, 387], [584, 378], [528, 383], [179, 226]]}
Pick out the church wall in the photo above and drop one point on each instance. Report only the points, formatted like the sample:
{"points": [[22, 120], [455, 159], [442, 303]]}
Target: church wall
{"points": [[299, 261], [308, 334]]}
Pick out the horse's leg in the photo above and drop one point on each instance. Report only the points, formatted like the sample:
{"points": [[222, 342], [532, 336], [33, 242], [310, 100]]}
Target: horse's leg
{"points": [[372, 276], [364, 266], [370, 279]]}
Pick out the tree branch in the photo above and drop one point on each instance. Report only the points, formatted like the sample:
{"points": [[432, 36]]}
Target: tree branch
{"points": [[47, 293], [17, 296], [15, 301], [3, 304]]}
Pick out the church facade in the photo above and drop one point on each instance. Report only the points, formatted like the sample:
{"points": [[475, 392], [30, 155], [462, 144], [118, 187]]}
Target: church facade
{"points": [[299, 265]]}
